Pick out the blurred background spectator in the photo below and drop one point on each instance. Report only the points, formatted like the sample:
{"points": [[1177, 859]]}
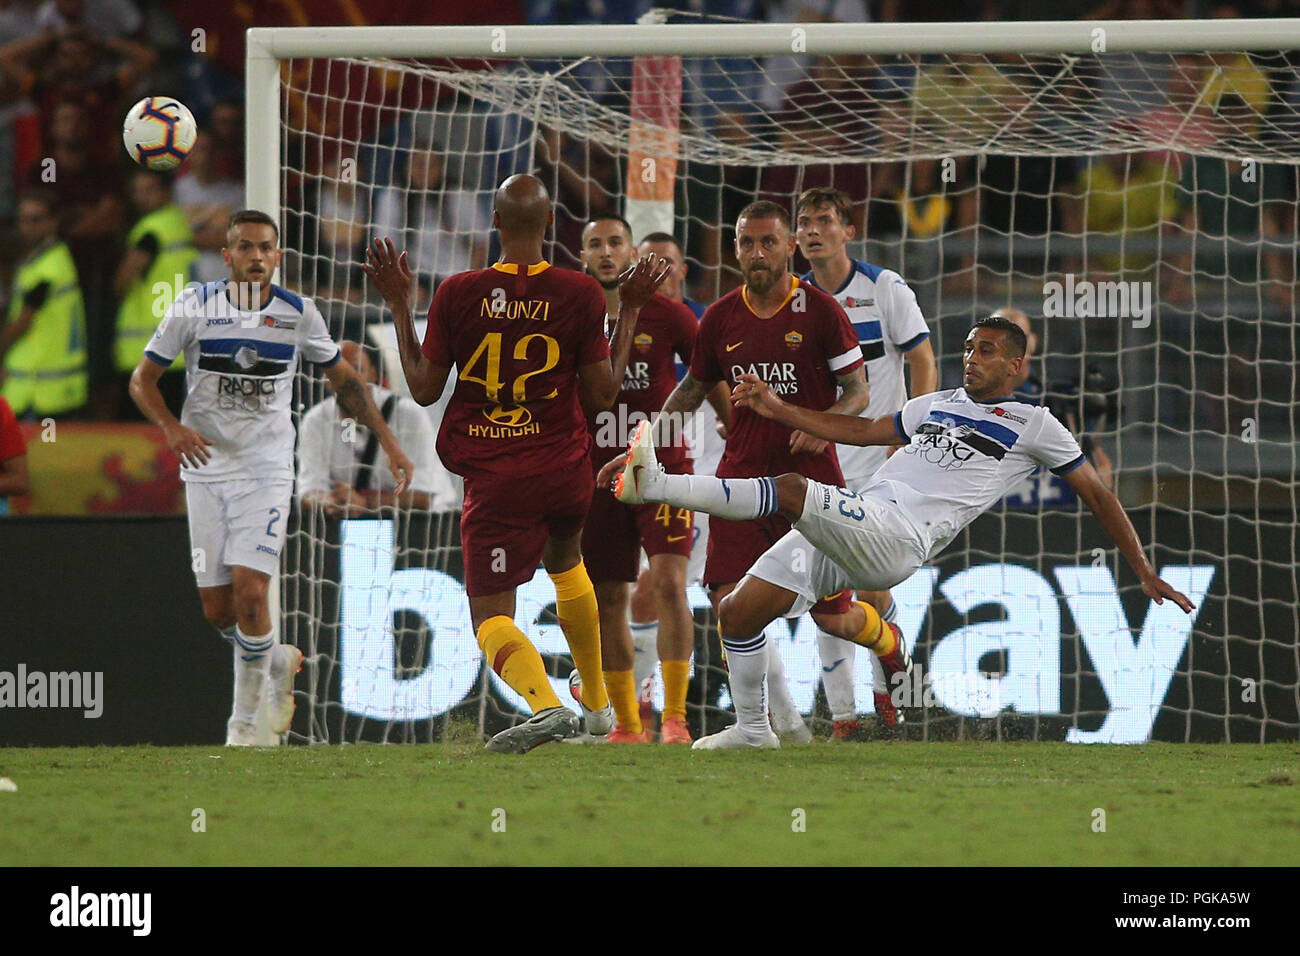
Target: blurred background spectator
{"points": [[208, 197], [43, 342], [443, 227], [160, 254], [345, 473]]}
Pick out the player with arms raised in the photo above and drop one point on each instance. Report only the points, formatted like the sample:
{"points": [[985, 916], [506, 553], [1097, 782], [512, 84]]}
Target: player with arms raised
{"points": [[962, 449], [242, 338], [528, 340]]}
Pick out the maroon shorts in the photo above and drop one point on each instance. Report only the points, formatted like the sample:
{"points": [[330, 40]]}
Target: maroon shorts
{"points": [[615, 533], [734, 546], [506, 521]]}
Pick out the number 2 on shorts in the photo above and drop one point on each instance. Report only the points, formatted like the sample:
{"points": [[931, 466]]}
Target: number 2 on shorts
{"points": [[275, 516]]}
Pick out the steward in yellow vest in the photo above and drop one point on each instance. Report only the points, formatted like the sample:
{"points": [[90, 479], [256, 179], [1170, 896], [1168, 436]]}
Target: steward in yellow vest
{"points": [[43, 340], [160, 253]]}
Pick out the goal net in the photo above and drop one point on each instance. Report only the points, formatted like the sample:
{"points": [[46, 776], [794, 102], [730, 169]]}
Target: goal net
{"points": [[1130, 186]]}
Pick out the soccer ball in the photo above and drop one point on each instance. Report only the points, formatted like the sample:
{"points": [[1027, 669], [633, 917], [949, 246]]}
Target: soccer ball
{"points": [[159, 132]]}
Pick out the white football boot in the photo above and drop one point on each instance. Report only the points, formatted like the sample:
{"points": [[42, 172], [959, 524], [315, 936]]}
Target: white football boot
{"points": [[240, 733], [278, 699], [642, 465], [792, 729], [733, 739], [598, 722]]}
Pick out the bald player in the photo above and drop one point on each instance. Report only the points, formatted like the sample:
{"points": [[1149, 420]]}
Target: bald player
{"points": [[528, 340]]}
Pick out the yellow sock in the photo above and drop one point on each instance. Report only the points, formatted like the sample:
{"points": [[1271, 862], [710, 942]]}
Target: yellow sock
{"points": [[575, 606], [512, 655], [622, 694], [875, 635], [677, 678]]}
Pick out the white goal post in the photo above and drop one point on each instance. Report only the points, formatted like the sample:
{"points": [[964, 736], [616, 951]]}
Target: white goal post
{"points": [[1181, 364]]}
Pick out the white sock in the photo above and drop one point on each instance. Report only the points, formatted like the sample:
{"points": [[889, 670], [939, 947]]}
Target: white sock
{"points": [[645, 640], [737, 499], [785, 714], [228, 634], [252, 668], [837, 658], [746, 669], [879, 684]]}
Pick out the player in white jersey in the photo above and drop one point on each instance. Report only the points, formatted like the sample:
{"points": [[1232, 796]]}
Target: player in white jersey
{"points": [[962, 449], [891, 329], [242, 338]]}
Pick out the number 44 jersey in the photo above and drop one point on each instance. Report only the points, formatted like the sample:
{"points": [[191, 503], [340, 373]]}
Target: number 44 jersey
{"points": [[517, 337]]}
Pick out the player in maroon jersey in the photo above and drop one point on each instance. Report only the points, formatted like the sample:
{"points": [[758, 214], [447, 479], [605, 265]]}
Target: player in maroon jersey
{"points": [[615, 534], [797, 339], [529, 345]]}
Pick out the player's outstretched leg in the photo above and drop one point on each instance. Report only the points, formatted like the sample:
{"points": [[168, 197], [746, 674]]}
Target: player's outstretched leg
{"points": [[643, 479]]}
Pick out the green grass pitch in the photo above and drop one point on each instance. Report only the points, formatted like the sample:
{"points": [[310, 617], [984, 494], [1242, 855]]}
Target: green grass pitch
{"points": [[885, 803]]}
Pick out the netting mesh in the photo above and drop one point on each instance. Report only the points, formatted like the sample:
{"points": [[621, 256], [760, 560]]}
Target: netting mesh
{"points": [[1141, 208]]}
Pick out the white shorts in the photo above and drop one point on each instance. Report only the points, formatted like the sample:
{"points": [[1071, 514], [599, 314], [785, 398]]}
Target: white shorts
{"points": [[237, 522], [843, 540]]}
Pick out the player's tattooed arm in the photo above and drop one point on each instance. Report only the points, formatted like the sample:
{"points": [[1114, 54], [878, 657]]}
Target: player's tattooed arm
{"points": [[852, 400], [753, 393], [354, 401], [686, 398], [393, 277], [1114, 521]]}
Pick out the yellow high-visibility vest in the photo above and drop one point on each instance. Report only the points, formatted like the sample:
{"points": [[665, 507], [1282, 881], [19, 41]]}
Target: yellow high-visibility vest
{"points": [[45, 370], [143, 307]]}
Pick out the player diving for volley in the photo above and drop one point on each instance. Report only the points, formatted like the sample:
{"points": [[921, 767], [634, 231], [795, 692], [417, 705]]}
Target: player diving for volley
{"points": [[242, 338], [529, 342], [963, 448]]}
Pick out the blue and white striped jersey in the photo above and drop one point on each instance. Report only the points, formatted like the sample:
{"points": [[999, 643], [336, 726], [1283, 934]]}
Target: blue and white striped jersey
{"points": [[962, 456], [883, 311], [239, 368]]}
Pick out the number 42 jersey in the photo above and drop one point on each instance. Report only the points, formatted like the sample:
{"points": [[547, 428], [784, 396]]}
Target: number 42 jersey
{"points": [[517, 337]]}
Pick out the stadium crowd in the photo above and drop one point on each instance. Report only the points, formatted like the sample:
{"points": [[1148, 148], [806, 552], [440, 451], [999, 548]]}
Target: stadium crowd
{"points": [[94, 233]]}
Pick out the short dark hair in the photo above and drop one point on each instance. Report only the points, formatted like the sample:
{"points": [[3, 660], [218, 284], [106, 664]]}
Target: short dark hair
{"points": [[1015, 335], [255, 216], [661, 237], [627, 226], [763, 209], [820, 196]]}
